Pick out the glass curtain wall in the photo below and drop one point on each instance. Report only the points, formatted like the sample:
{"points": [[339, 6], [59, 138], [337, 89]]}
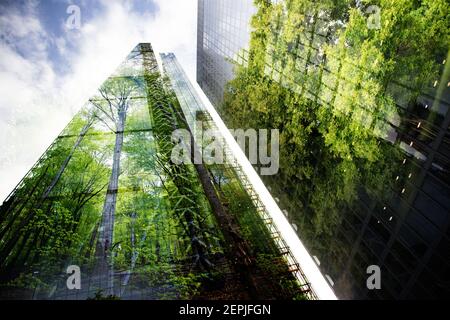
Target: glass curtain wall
{"points": [[361, 96]]}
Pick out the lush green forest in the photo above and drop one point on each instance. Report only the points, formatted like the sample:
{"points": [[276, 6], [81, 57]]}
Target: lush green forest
{"points": [[106, 196], [341, 94]]}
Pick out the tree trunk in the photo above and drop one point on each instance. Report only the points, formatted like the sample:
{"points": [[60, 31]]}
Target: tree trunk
{"points": [[67, 159], [134, 255], [104, 265], [88, 253], [31, 248], [239, 251], [9, 270]]}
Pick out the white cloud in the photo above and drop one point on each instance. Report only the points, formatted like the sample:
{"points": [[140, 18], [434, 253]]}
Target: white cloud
{"points": [[36, 102]]}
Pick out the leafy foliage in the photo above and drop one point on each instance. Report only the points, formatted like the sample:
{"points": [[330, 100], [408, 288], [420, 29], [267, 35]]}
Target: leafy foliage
{"points": [[331, 85]]}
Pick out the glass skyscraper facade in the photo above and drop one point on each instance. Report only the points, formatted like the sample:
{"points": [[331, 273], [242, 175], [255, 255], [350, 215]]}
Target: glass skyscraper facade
{"points": [[200, 122], [107, 213], [222, 39], [372, 187]]}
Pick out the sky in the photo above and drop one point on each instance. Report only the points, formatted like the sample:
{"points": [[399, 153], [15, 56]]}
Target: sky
{"points": [[51, 63]]}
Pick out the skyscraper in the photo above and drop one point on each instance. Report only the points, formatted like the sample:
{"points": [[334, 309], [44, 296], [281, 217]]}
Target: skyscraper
{"points": [[365, 152], [107, 213], [222, 39]]}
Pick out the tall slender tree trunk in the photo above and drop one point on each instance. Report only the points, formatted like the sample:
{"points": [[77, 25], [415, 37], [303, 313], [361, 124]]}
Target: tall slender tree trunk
{"points": [[67, 159], [10, 270], [157, 240], [239, 251], [30, 250], [88, 253], [104, 265], [134, 254]]}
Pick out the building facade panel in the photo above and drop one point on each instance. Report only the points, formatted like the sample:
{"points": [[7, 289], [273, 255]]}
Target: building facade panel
{"points": [[222, 39]]}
